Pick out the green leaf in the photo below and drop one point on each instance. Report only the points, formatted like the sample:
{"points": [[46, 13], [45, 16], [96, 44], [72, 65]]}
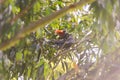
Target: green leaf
{"points": [[19, 56]]}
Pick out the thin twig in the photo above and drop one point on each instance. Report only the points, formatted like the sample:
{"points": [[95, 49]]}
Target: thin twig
{"points": [[23, 12], [64, 52]]}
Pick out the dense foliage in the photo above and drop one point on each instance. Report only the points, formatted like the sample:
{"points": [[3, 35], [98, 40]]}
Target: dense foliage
{"points": [[26, 26]]}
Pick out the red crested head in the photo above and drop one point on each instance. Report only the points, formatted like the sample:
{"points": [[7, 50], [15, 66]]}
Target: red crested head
{"points": [[60, 32]]}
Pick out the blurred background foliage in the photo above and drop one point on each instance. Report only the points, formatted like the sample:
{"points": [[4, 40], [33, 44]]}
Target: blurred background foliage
{"points": [[95, 28]]}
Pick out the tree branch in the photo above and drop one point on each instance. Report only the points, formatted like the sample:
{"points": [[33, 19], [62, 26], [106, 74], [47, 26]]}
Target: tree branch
{"points": [[23, 12], [42, 22]]}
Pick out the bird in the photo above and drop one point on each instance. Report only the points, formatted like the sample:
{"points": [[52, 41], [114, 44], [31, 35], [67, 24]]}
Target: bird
{"points": [[65, 39]]}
